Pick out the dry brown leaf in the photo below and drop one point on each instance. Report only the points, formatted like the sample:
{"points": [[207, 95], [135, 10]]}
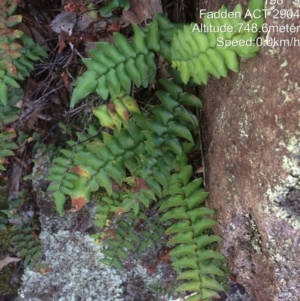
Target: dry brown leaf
{"points": [[114, 28], [131, 17], [72, 7], [61, 41], [136, 7], [110, 233], [8, 260]]}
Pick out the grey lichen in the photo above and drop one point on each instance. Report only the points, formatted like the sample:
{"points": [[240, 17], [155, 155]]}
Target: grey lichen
{"points": [[254, 237], [76, 273]]}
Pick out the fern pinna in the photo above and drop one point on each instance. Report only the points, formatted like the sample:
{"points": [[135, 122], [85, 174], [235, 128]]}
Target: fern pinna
{"points": [[141, 158]]}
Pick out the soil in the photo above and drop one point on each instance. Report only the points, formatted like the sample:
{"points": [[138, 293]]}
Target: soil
{"points": [[250, 131]]}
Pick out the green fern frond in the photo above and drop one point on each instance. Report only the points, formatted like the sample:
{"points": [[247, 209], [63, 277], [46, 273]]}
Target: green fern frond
{"points": [[27, 245], [190, 258], [25, 242], [6, 146], [9, 113], [113, 68], [196, 54], [140, 161], [124, 240], [127, 242], [107, 208], [15, 59], [107, 9], [148, 147]]}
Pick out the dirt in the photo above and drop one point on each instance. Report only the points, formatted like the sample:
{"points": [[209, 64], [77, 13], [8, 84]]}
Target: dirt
{"points": [[250, 129]]}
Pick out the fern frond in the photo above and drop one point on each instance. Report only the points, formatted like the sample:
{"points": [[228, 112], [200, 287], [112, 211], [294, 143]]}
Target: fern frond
{"points": [[15, 59], [27, 245], [196, 54], [126, 241], [107, 9], [148, 147], [6, 146], [9, 113], [191, 258], [25, 242], [113, 68]]}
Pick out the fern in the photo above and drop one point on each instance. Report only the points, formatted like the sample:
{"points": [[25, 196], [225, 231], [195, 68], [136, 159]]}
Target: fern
{"points": [[25, 242], [183, 198], [160, 289], [8, 114], [148, 147], [16, 59], [6, 146], [197, 54], [123, 235], [113, 68], [141, 160], [106, 10], [125, 240], [27, 245]]}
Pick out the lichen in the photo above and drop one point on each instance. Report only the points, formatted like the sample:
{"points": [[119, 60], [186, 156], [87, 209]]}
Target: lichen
{"points": [[76, 273], [254, 237], [284, 196], [283, 222]]}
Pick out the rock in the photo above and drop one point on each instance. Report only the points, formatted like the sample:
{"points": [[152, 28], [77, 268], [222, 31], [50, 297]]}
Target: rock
{"points": [[251, 136]]}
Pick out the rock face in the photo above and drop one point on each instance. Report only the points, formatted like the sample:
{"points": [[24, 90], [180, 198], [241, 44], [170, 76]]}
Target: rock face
{"points": [[251, 138]]}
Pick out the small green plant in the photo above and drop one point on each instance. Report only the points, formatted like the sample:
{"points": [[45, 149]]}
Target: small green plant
{"points": [[8, 114]]}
